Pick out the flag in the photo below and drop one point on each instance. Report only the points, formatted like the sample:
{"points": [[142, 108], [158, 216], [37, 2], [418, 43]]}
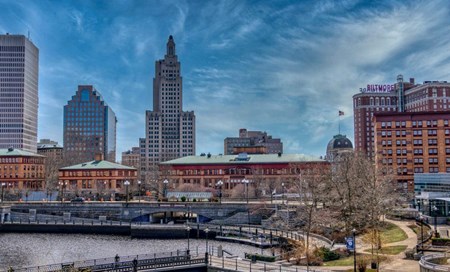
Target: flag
{"points": [[341, 113]]}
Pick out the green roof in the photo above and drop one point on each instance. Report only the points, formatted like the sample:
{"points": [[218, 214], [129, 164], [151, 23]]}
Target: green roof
{"points": [[18, 152], [97, 165], [242, 159]]}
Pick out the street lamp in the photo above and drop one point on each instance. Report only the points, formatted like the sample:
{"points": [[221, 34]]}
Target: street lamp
{"points": [[219, 184], [282, 193], [60, 190], [206, 235], [354, 249], [435, 209], [188, 230], [421, 233], [126, 183], [139, 188], [3, 185], [165, 188], [245, 181]]}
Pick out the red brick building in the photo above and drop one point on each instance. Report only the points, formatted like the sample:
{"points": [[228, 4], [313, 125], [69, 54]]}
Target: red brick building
{"points": [[416, 142], [258, 169], [97, 177]]}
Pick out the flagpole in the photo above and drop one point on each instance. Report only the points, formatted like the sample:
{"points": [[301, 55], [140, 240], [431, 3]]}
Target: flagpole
{"points": [[339, 123]]}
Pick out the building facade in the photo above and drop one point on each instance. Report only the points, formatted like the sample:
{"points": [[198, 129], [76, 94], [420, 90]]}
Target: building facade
{"points": [[97, 179], [413, 143], [431, 96], [263, 171], [19, 69], [89, 127], [252, 142], [21, 171], [170, 131], [50, 149], [132, 158]]}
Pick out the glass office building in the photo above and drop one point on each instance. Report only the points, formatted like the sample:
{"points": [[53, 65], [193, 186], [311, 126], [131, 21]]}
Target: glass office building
{"points": [[89, 127]]}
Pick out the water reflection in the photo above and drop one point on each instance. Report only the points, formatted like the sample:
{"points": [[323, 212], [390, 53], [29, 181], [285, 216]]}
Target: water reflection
{"points": [[40, 249]]}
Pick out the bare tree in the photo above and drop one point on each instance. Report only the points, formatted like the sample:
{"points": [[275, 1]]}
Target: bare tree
{"points": [[312, 188]]}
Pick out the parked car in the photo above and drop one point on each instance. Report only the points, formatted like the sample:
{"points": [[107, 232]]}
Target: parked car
{"points": [[78, 200]]}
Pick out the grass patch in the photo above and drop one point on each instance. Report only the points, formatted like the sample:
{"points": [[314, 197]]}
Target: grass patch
{"points": [[389, 250], [347, 261], [391, 233], [414, 228]]}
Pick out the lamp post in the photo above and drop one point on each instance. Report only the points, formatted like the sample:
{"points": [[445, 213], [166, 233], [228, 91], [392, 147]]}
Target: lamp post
{"points": [[421, 232], [435, 209], [61, 190], [282, 193], [188, 230], [165, 182], [206, 235], [354, 249], [245, 181], [219, 184], [139, 190], [3, 185], [126, 183]]}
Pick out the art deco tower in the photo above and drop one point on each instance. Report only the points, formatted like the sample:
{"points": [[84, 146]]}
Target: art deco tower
{"points": [[19, 68], [170, 131]]}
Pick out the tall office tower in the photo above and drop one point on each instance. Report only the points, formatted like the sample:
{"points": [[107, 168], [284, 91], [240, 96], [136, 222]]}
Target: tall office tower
{"points": [[169, 131], [19, 68], [89, 127]]}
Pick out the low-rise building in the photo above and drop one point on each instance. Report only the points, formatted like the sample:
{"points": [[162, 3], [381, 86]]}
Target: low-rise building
{"points": [[97, 178], [266, 172], [21, 171], [252, 142]]}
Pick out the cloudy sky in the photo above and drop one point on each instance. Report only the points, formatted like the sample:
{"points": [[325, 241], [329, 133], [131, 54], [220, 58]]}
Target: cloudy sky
{"points": [[284, 67]]}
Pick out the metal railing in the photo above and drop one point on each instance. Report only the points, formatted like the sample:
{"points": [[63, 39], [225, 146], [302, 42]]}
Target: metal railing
{"points": [[122, 263], [425, 262], [247, 265]]}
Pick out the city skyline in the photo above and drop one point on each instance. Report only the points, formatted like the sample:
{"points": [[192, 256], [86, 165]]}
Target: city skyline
{"points": [[285, 67]]}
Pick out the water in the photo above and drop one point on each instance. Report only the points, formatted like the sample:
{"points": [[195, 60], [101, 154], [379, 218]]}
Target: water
{"points": [[41, 249]]}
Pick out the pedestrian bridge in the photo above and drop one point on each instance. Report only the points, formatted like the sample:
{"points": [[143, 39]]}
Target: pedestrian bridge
{"points": [[161, 212]]}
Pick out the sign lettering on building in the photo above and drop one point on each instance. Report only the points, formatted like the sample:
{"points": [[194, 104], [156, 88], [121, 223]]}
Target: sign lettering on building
{"points": [[378, 88]]}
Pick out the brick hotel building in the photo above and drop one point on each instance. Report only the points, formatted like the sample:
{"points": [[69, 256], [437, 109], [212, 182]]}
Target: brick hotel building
{"points": [[404, 125], [413, 143]]}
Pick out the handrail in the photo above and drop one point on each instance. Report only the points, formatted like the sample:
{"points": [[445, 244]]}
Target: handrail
{"points": [[122, 263], [425, 262]]}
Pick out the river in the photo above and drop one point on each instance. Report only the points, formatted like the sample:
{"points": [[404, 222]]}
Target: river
{"points": [[41, 249]]}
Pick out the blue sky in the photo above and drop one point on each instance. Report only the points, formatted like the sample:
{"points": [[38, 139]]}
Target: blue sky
{"points": [[285, 67]]}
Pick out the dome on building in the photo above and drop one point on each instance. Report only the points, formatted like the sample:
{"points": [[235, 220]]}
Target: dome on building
{"points": [[339, 144]]}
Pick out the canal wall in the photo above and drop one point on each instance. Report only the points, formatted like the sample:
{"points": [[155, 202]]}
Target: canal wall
{"points": [[65, 228]]}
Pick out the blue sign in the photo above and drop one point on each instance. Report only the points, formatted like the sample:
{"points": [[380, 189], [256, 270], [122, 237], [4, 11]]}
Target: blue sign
{"points": [[349, 243]]}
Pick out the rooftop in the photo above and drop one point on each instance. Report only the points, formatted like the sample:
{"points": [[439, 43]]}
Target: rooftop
{"points": [[17, 152], [92, 165], [244, 159]]}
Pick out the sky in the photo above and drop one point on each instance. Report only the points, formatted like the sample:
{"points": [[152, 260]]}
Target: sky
{"points": [[284, 67]]}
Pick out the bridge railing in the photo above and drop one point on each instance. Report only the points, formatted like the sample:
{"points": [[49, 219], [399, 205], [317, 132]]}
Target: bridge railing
{"points": [[121, 263]]}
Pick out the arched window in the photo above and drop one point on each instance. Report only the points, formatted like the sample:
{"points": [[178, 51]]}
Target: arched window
{"points": [[371, 101]]}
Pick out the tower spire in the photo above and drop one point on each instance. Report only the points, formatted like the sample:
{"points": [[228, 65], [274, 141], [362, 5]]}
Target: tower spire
{"points": [[170, 46]]}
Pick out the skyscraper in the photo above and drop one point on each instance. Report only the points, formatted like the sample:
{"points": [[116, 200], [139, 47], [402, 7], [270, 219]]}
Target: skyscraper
{"points": [[19, 67], [89, 127], [169, 131]]}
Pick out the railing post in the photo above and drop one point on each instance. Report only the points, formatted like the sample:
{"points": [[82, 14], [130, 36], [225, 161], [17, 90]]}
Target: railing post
{"points": [[236, 264], [223, 262]]}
